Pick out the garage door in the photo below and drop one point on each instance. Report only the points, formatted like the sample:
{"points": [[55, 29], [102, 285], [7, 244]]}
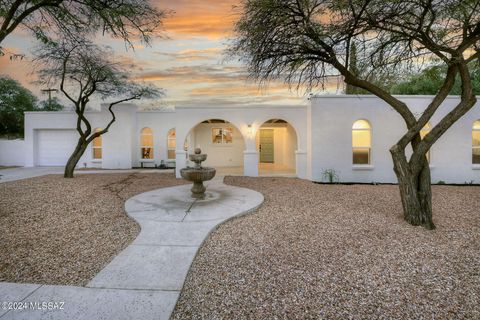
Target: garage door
{"points": [[54, 147]]}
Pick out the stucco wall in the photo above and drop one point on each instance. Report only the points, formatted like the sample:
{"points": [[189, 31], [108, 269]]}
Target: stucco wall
{"points": [[322, 139], [221, 154], [117, 143], [160, 123], [332, 118], [12, 152], [241, 117]]}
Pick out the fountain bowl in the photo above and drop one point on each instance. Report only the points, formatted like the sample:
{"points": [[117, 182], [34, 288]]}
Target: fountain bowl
{"points": [[197, 158], [197, 176]]}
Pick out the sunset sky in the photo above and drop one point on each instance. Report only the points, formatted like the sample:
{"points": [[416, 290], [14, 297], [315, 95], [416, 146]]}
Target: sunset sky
{"points": [[189, 65]]}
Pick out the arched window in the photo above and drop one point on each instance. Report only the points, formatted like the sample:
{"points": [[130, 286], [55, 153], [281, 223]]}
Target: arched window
{"points": [[146, 143], [171, 143], [97, 146], [425, 130], [476, 142], [361, 142]]}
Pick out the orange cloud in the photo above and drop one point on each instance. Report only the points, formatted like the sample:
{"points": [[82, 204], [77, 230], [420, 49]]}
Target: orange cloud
{"points": [[213, 19], [196, 74], [244, 90], [192, 54]]}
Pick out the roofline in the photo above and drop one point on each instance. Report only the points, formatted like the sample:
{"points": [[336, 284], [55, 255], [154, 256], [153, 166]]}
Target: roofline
{"points": [[60, 112], [262, 106], [371, 96]]}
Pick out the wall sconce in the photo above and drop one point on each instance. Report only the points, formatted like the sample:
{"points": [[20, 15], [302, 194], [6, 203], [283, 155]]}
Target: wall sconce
{"points": [[250, 131]]}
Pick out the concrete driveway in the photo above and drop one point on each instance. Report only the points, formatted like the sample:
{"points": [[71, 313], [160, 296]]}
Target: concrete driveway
{"points": [[18, 173]]}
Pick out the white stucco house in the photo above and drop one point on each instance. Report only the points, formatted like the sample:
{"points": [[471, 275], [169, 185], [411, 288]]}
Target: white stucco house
{"points": [[349, 134]]}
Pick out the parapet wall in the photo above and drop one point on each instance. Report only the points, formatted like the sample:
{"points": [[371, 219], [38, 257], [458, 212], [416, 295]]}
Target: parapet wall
{"points": [[12, 152]]}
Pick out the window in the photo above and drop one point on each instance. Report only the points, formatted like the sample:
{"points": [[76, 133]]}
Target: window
{"points": [[171, 143], [476, 143], [361, 142], [222, 135], [425, 130], [146, 143], [97, 147]]}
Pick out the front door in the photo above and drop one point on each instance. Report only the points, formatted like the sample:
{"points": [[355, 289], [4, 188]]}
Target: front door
{"points": [[266, 145]]}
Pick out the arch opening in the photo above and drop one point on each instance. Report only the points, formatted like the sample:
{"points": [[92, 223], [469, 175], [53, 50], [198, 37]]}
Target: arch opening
{"points": [[476, 143], [276, 141], [222, 141], [361, 142], [97, 145], [171, 143], [146, 144]]}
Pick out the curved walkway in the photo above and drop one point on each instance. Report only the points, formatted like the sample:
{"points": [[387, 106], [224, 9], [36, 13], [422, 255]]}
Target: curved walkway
{"points": [[144, 281]]}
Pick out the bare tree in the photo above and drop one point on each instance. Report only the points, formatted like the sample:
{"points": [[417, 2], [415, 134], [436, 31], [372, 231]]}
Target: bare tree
{"points": [[84, 71], [125, 19], [302, 41]]}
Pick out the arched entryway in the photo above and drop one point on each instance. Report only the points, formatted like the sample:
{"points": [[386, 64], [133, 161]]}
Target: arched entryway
{"points": [[221, 141], [276, 142]]}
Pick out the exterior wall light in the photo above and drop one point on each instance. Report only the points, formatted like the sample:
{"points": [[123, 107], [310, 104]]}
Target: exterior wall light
{"points": [[250, 131]]}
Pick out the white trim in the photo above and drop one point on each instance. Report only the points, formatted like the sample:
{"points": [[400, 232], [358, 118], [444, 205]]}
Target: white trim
{"points": [[366, 167], [475, 166]]}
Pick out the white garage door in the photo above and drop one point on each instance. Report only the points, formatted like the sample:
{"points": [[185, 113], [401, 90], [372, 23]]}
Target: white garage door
{"points": [[54, 147]]}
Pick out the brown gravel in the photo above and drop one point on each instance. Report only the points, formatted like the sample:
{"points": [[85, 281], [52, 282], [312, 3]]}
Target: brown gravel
{"points": [[64, 231], [338, 252]]}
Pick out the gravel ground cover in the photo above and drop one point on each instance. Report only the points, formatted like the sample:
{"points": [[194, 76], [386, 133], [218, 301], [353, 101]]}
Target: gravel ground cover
{"points": [[338, 252], [64, 231]]}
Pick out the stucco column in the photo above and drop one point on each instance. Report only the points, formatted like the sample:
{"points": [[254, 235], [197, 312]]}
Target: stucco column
{"points": [[180, 161], [301, 164], [250, 163]]}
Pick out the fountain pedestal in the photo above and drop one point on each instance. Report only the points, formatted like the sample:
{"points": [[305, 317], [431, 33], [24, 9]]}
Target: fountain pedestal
{"points": [[198, 174]]}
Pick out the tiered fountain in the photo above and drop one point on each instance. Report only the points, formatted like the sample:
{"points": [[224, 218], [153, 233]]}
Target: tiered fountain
{"points": [[198, 174]]}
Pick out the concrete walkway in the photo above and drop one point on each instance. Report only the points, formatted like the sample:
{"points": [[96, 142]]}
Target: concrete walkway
{"points": [[144, 281]]}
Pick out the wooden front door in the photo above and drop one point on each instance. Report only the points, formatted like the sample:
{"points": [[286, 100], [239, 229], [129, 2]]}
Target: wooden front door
{"points": [[266, 145]]}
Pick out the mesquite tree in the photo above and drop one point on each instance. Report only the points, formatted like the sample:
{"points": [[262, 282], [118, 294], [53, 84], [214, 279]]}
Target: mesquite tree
{"points": [[84, 71], [303, 41], [125, 19]]}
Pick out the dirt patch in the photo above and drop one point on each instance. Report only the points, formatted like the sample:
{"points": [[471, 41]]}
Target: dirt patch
{"points": [[338, 252], [64, 231]]}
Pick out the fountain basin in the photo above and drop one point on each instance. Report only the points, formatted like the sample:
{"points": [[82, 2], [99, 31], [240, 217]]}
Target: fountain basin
{"points": [[197, 176], [197, 158]]}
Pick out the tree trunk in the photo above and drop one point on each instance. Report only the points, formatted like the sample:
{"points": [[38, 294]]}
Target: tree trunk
{"points": [[74, 158], [415, 190]]}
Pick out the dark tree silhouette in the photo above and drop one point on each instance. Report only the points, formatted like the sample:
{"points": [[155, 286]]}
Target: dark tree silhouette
{"points": [[303, 41], [47, 19], [85, 71]]}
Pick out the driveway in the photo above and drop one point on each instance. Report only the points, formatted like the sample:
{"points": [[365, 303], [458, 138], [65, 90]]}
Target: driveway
{"points": [[19, 173]]}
